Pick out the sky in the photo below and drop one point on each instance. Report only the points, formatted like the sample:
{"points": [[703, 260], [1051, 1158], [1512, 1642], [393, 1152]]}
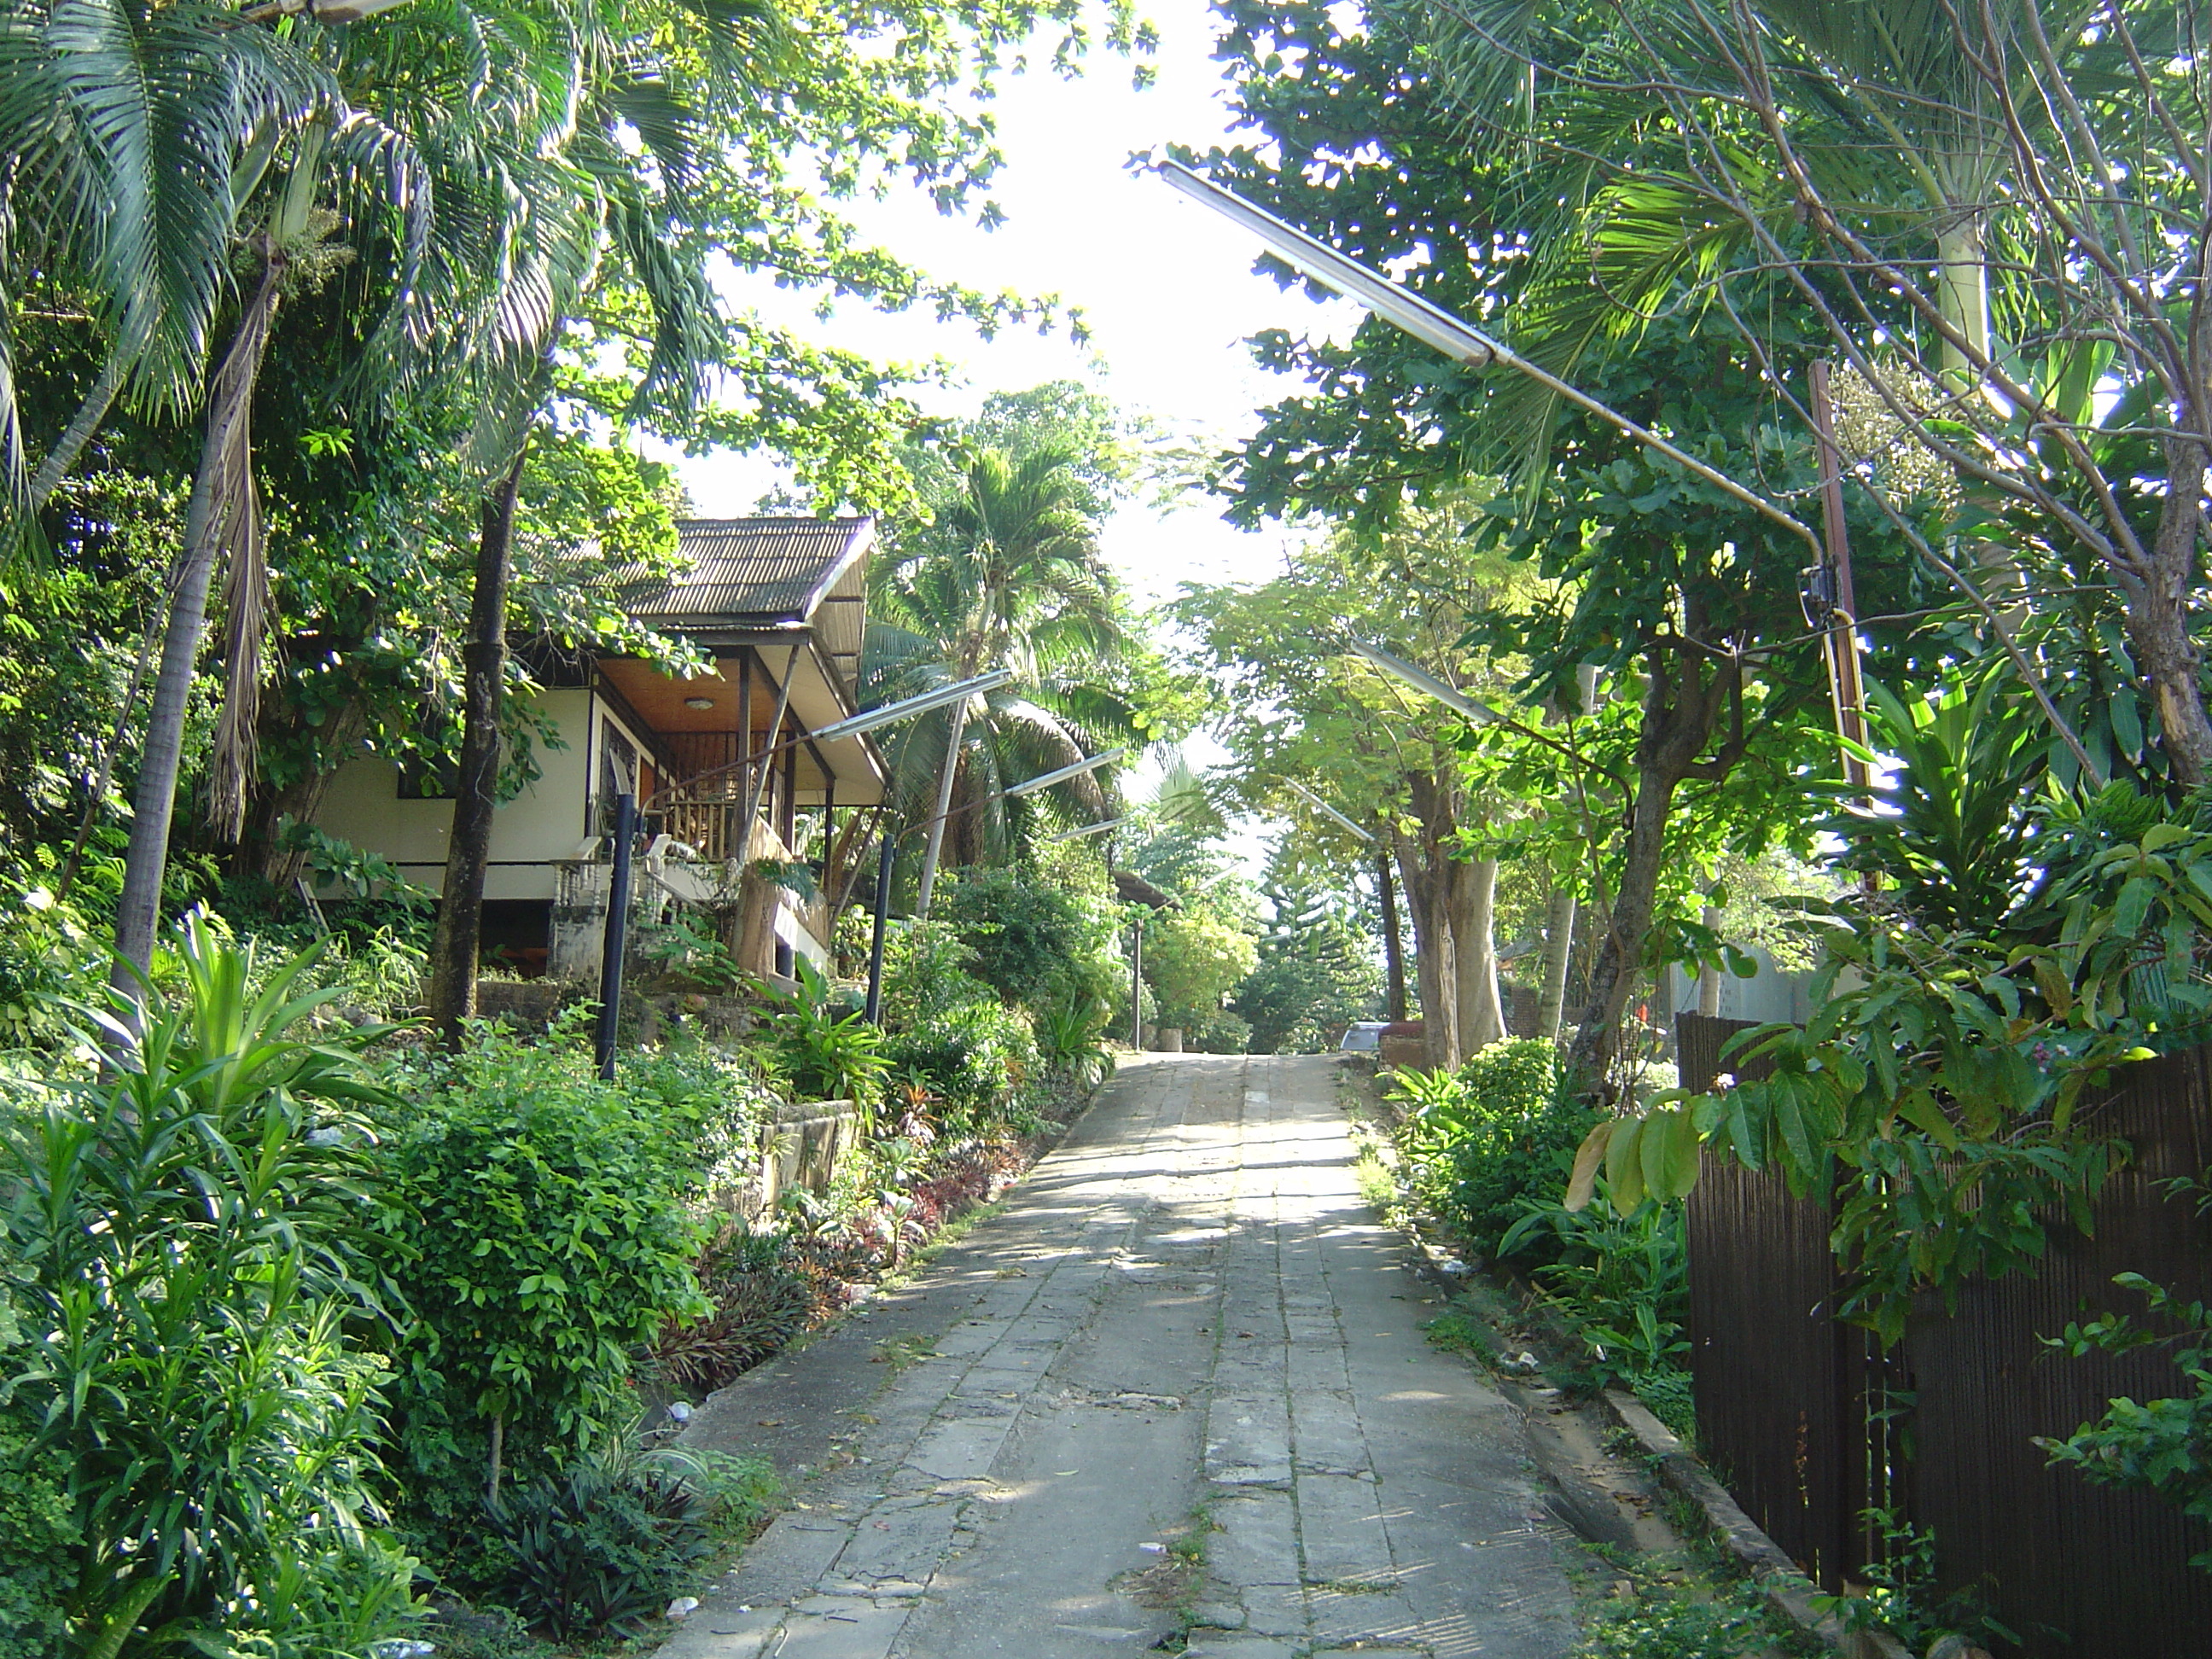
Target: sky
{"points": [[1166, 288]]}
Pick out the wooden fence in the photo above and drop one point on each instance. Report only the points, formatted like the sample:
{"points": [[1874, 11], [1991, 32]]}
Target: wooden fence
{"points": [[1811, 1424]]}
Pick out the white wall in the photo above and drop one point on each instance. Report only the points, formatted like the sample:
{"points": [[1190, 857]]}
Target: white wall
{"points": [[546, 821], [1770, 996]]}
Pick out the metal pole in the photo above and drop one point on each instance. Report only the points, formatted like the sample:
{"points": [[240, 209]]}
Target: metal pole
{"points": [[617, 933], [1843, 645], [876, 945], [1137, 986], [944, 810]]}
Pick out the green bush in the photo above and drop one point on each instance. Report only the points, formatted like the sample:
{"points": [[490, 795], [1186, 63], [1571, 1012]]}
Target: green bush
{"points": [[828, 1051], [39, 1534], [1217, 1032], [1497, 1132], [1033, 941], [534, 1218], [979, 1058], [599, 1549], [187, 1236]]}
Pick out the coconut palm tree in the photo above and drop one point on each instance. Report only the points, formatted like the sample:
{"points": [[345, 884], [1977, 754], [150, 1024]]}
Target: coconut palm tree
{"points": [[1010, 575]]}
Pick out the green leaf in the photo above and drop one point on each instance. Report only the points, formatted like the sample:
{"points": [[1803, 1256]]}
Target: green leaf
{"points": [[1624, 1173]]}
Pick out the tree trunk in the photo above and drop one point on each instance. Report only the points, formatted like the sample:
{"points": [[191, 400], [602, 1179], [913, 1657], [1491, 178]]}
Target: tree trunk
{"points": [[1558, 951], [1681, 708], [451, 992], [945, 781], [2157, 611], [223, 468], [1962, 295], [1474, 952], [1709, 977], [1432, 959], [1394, 943]]}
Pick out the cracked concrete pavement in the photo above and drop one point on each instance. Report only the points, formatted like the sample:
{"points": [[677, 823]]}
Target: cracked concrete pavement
{"points": [[1177, 1390]]}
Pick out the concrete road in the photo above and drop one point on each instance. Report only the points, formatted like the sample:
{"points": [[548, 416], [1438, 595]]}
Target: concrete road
{"points": [[1176, 1392]]}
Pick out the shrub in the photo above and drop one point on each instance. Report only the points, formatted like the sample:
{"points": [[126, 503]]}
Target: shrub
{"points": [[185, 1232], [39, 1534], [1217, 1032], [759, 1303], [1071, 1037], [1033, 941], [1498, 1131], [828, 1052], [534, 1217], [598, 1548], [979, 1058]]}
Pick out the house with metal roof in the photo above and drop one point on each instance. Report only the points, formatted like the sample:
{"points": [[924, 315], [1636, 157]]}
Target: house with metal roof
{"points": [[724, 765]]}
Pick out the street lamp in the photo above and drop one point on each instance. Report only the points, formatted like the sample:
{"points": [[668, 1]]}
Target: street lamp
{"points": [[1460, 340], [1322, 806], [1092, 829], [1427, 683]]}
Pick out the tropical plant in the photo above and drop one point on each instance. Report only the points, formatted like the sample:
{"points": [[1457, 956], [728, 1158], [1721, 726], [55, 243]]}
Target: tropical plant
{"points": [[598, 1549], [189, 1256], [1010, 575], [828, 1050], [1485, 1139], [1625, 1281], [1070, 1035], [2159, 1446], [535, 1218], [1874, 154], [1941, 1085], [1032, 939]]}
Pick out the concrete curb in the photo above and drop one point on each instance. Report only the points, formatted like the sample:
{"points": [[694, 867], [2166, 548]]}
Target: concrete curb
{"points": [[1788, 1591]]}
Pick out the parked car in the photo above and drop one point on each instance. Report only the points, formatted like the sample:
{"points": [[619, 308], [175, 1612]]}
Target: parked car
{"points": [[1363, 1036]]}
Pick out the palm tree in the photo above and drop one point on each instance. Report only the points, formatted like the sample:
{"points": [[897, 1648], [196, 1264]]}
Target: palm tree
{"points": [[1010, 575]]}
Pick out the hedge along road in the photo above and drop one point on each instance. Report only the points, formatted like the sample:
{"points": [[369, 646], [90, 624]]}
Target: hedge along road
{"points": [[1178, 1385]]}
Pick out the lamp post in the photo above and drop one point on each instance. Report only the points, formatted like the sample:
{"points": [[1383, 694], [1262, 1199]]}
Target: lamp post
{"points": [[1431, 323]]}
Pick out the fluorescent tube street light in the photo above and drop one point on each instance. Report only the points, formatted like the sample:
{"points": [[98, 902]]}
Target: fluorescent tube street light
{"points": [[1324, 807], [1421, 680], [1427, 321], [1063, 774], [869, 719], [1092, 829]]}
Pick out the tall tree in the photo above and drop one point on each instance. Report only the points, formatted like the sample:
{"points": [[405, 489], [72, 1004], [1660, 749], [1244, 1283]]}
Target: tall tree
{"points": [[1661, 577], [1008, 576], [1872, 157]]}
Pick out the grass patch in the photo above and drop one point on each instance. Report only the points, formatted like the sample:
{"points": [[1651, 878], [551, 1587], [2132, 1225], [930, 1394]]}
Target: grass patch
{"points": [[1377, 1184], [900, 1351], [1460, 1331], [1694, 1619]]}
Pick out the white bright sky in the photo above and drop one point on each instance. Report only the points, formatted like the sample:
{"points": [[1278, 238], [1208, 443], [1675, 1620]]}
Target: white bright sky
{"points": [[1166, 288]]}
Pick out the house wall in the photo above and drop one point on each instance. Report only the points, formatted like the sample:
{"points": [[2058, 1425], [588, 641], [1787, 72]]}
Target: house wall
{"points": [[1770, 996], [546, 821]]}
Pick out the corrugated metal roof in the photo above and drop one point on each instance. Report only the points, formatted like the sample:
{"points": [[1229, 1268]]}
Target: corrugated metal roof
{"points": [[751, 570]]}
